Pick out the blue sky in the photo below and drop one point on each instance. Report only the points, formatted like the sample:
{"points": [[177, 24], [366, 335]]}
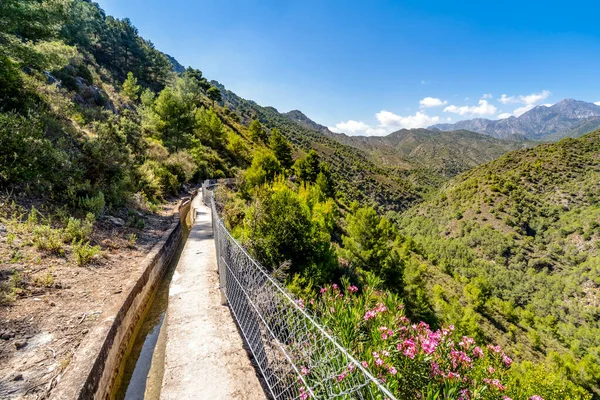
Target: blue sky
{"points": [[372, 67]]}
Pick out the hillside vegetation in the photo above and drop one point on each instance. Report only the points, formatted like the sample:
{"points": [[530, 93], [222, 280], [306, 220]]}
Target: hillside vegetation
{"points": [[95, 123], [520, 238], [430, 157]]}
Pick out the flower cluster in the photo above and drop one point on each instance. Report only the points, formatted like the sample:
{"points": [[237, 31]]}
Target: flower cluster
{"points": [[412, 359]]}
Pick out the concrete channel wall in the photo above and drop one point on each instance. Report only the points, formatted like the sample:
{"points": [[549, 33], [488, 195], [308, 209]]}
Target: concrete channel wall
{"points": [[95, 366]]}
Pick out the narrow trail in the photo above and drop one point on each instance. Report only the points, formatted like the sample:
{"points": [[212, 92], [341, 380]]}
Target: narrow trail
{"points": [[204, 355]]}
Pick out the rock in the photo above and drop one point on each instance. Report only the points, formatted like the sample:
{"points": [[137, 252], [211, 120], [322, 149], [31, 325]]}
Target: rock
{"points": [[85, 331], [19, 344], [115, 221], [51, 79], [17, 376], [52, 304], [6, 335]]}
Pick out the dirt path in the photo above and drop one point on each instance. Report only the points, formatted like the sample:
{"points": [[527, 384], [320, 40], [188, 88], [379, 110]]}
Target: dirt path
{"points": [[41, 329], [205, 357]]}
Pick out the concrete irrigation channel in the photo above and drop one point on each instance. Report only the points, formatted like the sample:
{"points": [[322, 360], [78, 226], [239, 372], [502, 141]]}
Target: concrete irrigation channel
{"points": [[170, 337]]}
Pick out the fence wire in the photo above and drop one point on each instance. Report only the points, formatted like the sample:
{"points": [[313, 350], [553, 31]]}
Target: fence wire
{"points": [[297, 357]]}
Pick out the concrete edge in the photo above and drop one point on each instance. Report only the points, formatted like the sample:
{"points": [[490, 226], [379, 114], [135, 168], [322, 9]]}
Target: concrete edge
{"points": [[94, 368]]}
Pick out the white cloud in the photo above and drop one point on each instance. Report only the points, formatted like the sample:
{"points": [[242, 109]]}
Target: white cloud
{"points": [[549, 104], [597, 103], [535, 98], [419, 120], [504, 115], [528, 99], [483, 108], [487, 96], [522, 110], [432, 102], [350, 127], [388, 123], [504, 99]]}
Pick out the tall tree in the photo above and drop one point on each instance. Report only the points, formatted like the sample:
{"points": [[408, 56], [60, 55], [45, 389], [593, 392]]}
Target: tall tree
{"points": [[281, 148], [214, 94], [308, 167], [130, 87], [257, 132]]}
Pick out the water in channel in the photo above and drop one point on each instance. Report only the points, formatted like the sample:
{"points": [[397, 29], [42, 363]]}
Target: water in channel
{"points": [[141, 378]]}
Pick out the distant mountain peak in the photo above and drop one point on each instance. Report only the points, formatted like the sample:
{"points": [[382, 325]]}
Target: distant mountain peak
{"points": [[300, 118], [568, 117]]}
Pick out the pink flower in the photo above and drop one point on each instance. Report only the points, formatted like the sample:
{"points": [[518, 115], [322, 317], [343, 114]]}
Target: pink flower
{"points": [[303, 394], [536, 397], [323, 290], [334, 286], [332, 309], [300, 303], [506, 360], [477, 352], [365, 364], [342, 376], [459, 358], [435, 369], [495, 349], [408, 347], [466, 342], [494, 382], [312, 302], [430, 344], [491, 370], [304, 370], [506, 398], [453, 375], [375, 354], [393, 370], [352, 289], [379, 362], [464, 394], [370, 314], [385, 353], [351, 367]]}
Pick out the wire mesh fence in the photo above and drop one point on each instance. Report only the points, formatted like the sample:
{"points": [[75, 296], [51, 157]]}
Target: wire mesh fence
{"points": [[297, 357]]}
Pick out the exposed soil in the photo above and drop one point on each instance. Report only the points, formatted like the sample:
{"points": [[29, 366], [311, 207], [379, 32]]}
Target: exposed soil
{"points": [[57, 302]]}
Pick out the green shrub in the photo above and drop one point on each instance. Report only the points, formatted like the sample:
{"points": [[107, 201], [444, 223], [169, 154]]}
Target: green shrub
{"points": [[94, 204], [83, 253], [47, 239], [182, 165], [12, 287], [79, 230]]}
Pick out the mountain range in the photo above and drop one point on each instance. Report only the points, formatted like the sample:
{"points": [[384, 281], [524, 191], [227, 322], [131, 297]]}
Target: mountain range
{"points": [[567, 118]]}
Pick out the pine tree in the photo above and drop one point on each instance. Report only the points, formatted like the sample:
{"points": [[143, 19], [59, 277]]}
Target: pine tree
{"points": [[281, 148], [214, 94], [130, 87], [257, 132]]}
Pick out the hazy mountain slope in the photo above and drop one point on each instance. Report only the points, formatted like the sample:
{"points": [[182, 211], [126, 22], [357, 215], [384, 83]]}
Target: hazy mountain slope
{"points": [[425, 157], [357, 177], [521, 234], [444, 153], [564, 119]]}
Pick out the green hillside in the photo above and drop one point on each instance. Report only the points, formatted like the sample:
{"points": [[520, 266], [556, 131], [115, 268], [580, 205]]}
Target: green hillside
{"points": [[430, 157], [518, 241], [357, 176]]}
